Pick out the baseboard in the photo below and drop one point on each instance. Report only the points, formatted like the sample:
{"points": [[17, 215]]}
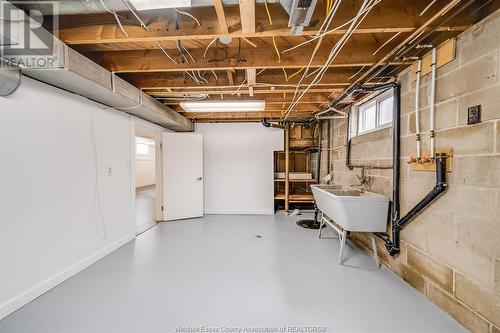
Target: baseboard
{"points": [[238, 212], [145, 187], [31, 294]]}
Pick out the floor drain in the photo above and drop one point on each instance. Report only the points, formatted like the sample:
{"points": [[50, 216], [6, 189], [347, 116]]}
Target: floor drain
{"points": [[308, 224]]}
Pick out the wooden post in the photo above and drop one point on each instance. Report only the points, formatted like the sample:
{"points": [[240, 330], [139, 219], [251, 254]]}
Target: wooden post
{"points": [[287, 167]]}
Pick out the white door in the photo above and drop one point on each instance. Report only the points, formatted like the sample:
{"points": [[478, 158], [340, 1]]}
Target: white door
{"points": [[182, 175]]}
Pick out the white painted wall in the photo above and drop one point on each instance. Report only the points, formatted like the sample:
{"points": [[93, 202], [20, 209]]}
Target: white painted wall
{"points": [[50, 222], [238, 167]]}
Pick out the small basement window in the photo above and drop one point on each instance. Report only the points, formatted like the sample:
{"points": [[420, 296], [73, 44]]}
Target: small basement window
{"points": [[372, 115]]}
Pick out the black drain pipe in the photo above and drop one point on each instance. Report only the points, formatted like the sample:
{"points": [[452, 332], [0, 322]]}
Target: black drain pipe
{"points": [[266, 123], [392, 245]]}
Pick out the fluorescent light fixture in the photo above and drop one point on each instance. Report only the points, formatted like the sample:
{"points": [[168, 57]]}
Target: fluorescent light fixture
{"points": [[224, 106], [159, 4]]}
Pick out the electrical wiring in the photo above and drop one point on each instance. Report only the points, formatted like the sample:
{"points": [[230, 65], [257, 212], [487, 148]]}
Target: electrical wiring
{"points": [[352, 76], [329, 31], [284, 72], [165, 52], [178, 45], [427, 8], [293, 74], [143, 25], [202, 77], [241, 85], [188, 15], [268, 13], [323, 26], [213, 72], [276, 49], [387, 42], [208, 46], [97, 192], [361, 15], [116, 17]]}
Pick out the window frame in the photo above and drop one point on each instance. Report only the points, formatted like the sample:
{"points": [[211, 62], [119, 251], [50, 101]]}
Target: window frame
{"points": [[357, 114]]}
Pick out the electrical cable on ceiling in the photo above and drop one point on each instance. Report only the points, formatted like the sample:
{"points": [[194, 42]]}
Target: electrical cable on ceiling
{"points": [[213, 72], [208, 46], [387, 42], [354, 75], [268, 13], [116, 17], [276, 49], [188, 15], [329, 31], [165, 52], [324, 25], [284, 72], [360, 16], [427, 8], [143, 25]]}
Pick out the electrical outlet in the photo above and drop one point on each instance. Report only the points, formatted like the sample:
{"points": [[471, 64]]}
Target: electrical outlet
{"points": [[110, 171], [474, 115]]}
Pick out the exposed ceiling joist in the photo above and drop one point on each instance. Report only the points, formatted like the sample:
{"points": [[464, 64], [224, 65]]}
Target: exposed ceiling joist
{"points": [[221, 16], [247, 15]]}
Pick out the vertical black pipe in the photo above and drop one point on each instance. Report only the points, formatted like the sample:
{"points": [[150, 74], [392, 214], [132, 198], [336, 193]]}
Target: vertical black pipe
{"points": [[318, 166], [396, 152]]}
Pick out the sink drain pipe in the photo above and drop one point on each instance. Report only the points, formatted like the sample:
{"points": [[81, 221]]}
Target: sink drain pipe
{"points": [[392, 245], [392, 242]]}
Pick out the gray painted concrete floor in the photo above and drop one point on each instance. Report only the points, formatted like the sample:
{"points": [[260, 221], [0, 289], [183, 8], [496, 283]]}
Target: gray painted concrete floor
{"points": [[216, 271]]}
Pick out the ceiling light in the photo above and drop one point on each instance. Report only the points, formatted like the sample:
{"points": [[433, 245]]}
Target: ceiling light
{"points": [[159, 4], [225, 39], [224, 106]]}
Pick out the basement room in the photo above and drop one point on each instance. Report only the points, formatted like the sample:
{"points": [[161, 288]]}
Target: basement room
{"points": [[249, 166]]}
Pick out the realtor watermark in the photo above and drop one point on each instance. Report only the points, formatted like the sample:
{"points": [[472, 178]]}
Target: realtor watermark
{"points": [[251, 329], [28, 32]]}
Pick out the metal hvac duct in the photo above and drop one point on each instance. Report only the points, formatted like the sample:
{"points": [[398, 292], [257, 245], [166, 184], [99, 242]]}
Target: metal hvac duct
{"points": [[73, 7], [10, 79]]}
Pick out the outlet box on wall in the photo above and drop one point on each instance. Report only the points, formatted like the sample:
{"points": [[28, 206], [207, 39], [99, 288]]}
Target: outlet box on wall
{"points": [[474, 115]]}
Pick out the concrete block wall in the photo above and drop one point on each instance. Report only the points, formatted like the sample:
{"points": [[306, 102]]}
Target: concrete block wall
{"points": [[451, 252]]}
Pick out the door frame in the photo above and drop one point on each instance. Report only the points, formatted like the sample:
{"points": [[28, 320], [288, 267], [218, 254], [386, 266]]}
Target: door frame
{"points": [[157, 130]]}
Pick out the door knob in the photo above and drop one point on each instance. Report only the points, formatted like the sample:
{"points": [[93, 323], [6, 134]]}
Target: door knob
{"points": [[199, 179]]}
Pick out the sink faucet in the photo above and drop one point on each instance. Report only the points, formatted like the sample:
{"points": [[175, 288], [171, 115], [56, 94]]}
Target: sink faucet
{"points": [[364, 181]]}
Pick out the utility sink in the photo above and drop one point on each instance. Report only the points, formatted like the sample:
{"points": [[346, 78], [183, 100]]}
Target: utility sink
{"points": [[352, 209], [348, 209]]}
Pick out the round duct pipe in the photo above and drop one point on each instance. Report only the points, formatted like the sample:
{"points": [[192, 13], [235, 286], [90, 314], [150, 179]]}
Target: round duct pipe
{"points": [[10, 80], [74, 7]]}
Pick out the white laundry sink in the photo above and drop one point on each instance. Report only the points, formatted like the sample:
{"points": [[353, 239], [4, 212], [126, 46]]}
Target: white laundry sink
{"points": [[352, 209], [347, 209]]}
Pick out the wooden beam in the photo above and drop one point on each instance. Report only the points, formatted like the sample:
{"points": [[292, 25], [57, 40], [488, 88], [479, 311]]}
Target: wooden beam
{"points": [[251, 79], [263, 58], [247, 16], [390, 16], [269, 107], [245, 91], [230, 78], [244, 116], [277, 99], [334, 78], [221, 16]]}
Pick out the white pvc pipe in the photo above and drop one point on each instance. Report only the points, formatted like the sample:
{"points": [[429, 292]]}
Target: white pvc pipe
{"points": [[417, 108], [432, 101]]}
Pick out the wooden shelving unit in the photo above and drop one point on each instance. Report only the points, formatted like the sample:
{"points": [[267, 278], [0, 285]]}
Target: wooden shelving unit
{"points": [[296, 158]]}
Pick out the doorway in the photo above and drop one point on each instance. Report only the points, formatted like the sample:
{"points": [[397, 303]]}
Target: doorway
{"points": [[146, 178]]}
